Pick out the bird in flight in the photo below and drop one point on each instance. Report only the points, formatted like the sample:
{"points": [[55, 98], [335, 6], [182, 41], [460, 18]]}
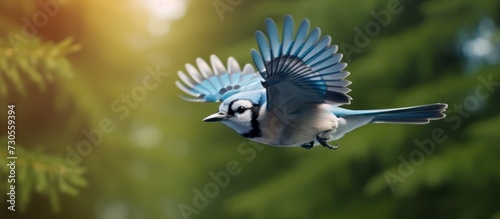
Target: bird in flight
{"points": [[294, 96]]}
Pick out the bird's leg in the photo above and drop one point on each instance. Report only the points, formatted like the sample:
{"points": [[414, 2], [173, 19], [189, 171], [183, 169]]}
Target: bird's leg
{"points": [[308, 145], [323, 140]]}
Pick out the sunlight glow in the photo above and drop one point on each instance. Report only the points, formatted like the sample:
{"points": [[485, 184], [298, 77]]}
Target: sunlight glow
{"points": [[167, 9], [158, 27], [163, 12]]}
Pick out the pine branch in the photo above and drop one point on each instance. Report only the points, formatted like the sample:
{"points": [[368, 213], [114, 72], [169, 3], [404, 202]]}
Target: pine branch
{"points": [[33, 60], [43, 174]]}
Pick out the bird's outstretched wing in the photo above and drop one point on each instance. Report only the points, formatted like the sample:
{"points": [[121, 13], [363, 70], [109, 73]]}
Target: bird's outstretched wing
{"points": [[300, 70], [216, 84]]}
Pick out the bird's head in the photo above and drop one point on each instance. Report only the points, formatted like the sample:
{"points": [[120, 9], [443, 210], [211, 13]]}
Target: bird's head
{"points": [[239, 114]]}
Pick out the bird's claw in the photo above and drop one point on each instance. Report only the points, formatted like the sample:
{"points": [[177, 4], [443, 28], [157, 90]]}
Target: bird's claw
{"points": [[329, 146], [324, 143]]}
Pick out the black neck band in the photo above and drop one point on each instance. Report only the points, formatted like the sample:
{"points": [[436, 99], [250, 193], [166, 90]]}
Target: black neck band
{"points": [[255, 132]]}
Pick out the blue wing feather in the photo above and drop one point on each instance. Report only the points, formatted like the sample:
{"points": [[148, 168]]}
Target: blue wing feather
{"points": [[306, 61], [309, 44], [287, 35], [259, 63], [263, 46], [300, 37], [318, 50], [216, 82], [272, 31], [207, 72]]}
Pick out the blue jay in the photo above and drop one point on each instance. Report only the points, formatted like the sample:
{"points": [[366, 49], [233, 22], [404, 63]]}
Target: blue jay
{"points": [[294, 96]]}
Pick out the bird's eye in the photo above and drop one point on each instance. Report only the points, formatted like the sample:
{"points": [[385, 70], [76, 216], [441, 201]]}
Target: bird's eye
{"points": [[241, 110]]}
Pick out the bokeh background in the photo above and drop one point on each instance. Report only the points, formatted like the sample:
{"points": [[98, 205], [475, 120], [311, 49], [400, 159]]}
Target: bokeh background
{"points": [[75, 67]]}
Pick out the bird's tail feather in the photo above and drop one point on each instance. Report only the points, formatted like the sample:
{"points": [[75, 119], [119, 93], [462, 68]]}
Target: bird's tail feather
{"points": [[407, 115]]}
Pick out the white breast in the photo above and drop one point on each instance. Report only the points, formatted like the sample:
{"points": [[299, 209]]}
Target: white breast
{"points": [[297, 128]]}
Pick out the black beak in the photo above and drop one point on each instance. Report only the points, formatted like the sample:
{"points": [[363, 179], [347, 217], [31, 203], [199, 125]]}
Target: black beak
{"points": [[216, 117]]}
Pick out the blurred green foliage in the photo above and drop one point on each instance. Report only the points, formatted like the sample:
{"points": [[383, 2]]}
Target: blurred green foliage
{"points": [[85, 63], [35, 171]]}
